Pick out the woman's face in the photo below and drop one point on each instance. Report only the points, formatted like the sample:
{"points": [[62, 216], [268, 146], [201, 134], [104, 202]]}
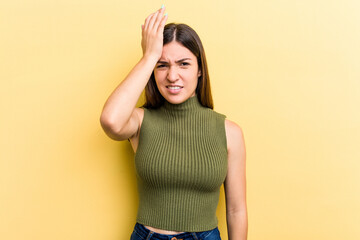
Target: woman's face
{"points": [[176, 73]]}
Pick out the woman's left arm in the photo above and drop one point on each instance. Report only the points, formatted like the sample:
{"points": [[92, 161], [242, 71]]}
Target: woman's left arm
{"points": [[235, 183]]}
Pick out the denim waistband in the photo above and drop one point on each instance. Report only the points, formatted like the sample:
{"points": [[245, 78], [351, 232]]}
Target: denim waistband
{"points": [[146, 234]]}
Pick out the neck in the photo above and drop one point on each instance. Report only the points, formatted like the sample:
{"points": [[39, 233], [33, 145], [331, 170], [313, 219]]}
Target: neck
{"points": [[189, 104]]}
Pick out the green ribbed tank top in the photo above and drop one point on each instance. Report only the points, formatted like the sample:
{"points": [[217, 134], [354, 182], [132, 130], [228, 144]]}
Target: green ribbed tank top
{"points": [[181, 163]]}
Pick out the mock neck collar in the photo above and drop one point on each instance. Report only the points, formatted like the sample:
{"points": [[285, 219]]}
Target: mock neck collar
{"points": [[191, 104]]}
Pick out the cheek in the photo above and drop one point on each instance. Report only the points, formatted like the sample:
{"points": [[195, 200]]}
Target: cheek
{"points": [[192, 77], [158, 81], [159, 75]]}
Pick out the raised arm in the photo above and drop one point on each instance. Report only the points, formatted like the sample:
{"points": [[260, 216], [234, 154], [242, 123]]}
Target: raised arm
{"points": [[119, 118]]}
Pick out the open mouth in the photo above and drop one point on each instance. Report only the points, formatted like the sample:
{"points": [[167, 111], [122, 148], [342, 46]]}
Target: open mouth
{"points": [[174, 87]]}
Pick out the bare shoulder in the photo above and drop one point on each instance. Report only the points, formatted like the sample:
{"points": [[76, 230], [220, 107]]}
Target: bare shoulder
{"points": [[234, 134], [232, 126]]}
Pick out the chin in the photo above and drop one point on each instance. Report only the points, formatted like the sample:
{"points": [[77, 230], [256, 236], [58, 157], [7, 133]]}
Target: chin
{"points": [[176, 99]]}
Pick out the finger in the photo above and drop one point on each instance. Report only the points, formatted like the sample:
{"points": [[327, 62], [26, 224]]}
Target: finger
{"points": [[147, 20], [159, 18], [152, 21], [162, 23]]}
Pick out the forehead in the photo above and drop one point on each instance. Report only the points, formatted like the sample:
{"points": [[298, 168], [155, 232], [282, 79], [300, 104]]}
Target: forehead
{"points": [[175, 51]]}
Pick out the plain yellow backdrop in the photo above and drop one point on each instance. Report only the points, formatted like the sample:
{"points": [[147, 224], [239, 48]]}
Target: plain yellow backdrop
{"points": [[287, 71]]}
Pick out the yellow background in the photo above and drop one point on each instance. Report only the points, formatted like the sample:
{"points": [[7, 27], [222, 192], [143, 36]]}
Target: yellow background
{"points": [[287, 71]]}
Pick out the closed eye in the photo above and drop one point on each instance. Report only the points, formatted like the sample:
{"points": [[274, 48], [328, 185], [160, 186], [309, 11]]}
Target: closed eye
{"points": [[182, 64], [161, 66]]}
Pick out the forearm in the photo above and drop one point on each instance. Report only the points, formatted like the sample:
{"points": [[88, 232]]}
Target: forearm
{"points": [[237, 225], [122, 101], [120, 106]]}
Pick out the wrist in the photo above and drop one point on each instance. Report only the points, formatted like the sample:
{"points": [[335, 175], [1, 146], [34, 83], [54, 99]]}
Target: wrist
{"points": [[150, 59]]}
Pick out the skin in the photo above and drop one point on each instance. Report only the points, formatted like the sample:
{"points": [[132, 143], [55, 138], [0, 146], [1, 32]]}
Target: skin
{"points": [[121, 120], [177, 67]]}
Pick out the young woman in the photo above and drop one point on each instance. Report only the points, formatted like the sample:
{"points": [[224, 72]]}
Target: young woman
{"points": [[184, 151]]}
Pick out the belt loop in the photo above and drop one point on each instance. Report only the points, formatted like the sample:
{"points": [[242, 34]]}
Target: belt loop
{"points": [[194, 235], [149, 235]]}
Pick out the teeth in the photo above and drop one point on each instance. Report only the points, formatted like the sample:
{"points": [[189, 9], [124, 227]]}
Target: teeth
{"points": [[174, 87]]}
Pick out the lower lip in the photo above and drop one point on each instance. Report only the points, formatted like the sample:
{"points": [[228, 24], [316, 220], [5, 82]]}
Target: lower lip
{"points": [[174, 91]]}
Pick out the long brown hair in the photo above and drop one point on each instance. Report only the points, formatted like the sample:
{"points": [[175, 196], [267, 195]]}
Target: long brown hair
{"points": [[186, 36]]}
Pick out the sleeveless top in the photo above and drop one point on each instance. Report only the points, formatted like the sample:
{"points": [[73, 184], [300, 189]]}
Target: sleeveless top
{"points": [[181, 163]]}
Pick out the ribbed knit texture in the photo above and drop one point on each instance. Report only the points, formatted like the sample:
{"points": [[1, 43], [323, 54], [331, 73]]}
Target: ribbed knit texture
{"points": [[181, 163]]}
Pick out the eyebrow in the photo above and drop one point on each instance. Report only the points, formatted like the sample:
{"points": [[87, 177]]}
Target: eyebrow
{"points": [[181, 60]]}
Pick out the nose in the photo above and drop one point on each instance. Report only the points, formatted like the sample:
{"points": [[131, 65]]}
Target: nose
{"points": [[172, 75]]}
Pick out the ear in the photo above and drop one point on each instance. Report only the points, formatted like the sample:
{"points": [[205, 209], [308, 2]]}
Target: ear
{"points": [[199, 73]]}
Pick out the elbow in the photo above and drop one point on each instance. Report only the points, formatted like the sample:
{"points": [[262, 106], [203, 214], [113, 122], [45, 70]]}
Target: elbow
{"points": [[106, 123], [110, 128]]}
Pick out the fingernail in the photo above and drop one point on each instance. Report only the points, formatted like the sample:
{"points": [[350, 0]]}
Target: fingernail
{"points": [[162, 6], [165, 14]]}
